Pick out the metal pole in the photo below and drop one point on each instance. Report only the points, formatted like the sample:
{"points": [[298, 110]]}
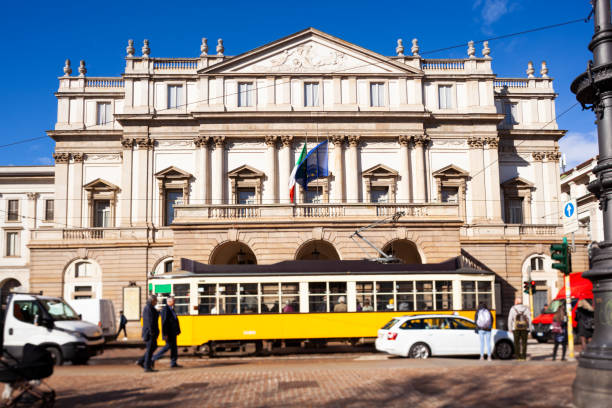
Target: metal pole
{"points": [[531, 299], [593, 384], [568, 311]]}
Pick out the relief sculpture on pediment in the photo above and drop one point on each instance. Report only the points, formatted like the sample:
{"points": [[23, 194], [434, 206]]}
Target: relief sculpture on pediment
{"points": [[304, 58]]}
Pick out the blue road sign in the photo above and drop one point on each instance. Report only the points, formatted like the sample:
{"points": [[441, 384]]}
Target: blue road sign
{"points": [[569, 209]]}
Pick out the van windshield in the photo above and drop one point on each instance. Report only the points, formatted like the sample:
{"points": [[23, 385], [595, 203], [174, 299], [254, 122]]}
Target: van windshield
{"points": [[554, 306], [59, 310]]}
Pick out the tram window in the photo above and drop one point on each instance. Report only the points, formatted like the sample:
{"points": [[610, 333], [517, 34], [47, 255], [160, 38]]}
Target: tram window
{"points": [[468, 301], [206, 298], [317, 298], [468, 286], [269, 298], [444, 295], [290, 297], [384, 297], [405, 297], [403, 287], [474, 292], [181, 298], [484, 286], [337, 290], [365, 296], [228, 299], [248, 298], [424, 296]]}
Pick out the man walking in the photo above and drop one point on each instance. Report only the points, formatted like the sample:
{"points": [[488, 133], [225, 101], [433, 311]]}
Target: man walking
{"points": [[150, 332], [122, 323], [519, 320], [170, 329]]}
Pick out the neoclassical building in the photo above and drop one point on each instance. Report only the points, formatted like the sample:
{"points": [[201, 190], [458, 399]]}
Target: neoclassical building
{"points": [[191, 158]]}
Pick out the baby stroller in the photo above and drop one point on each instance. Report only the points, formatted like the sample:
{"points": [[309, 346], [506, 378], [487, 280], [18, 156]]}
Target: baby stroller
{"points": [[24, 378]]}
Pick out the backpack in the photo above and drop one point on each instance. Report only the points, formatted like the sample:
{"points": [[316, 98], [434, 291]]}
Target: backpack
{"points": [[589, 322], [484, 319], [556, 327], [521, 322]]}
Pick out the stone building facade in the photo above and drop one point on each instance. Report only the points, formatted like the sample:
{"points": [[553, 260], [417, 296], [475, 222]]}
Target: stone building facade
{"points": [[191, 157]]}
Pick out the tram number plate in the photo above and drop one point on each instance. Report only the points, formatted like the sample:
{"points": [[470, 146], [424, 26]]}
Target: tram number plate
{"points": [[249, 332]]}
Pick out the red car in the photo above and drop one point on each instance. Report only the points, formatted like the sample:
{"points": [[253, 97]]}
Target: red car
{"points": [[581, 288]]}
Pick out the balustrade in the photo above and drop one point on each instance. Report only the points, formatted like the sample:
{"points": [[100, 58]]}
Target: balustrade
{"points": [[443, 64], [175, 63], [104, 82]]}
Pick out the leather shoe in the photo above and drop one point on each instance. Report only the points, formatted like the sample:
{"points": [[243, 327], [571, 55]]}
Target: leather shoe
{"points": [[140, 363], [150, 370], [176, 366]]}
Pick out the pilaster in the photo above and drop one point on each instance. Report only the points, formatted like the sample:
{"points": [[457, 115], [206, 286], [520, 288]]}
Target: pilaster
{"points": [[202, 171], [61, 189], [352, 170], [270, 184], [75, 195], [125, 196], [491, 157], [540, 194], [405, 188], [218, 170], [338, 179], [478, 195], [284, 168], [420, 185]]}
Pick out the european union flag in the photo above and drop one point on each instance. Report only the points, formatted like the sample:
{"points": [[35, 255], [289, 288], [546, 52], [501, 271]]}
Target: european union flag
{"points": [[313, 166]]}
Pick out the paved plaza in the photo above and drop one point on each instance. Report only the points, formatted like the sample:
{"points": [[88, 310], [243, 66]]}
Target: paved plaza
{"points": [[317, 380]]}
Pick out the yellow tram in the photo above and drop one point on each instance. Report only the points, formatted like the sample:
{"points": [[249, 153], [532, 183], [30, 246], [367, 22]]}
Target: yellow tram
{"points": [[313, 300]]}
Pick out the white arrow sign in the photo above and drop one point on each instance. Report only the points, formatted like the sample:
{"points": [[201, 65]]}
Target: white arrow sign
{"points": [[570, 217]]}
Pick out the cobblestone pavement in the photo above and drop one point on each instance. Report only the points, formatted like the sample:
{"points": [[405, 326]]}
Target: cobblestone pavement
{"points": [[332, 380]]}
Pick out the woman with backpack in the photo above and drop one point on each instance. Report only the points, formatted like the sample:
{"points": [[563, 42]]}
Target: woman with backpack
{"points": [[559, 331], [585, 319], [484, 323]]}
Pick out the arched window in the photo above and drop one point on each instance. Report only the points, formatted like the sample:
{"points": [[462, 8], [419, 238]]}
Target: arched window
{"points": [[163, 266], [83, 280], [537, 263]]}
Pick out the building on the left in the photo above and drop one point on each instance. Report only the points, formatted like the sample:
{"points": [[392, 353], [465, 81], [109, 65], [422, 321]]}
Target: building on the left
{"points": [[26, 203]]}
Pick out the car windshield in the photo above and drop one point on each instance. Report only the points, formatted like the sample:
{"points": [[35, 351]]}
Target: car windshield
{"points": [[390, 324], [554, 306], [59, 310]]}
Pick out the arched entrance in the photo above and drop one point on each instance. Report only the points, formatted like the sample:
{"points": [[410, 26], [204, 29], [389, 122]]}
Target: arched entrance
{"points": [[5, 288], [233, 253], [403, 249], [317, 250]]}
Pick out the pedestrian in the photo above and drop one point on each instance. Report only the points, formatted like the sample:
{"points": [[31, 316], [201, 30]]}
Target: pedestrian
{"points": [[341, 305], [484, 324], [585, 318], [122, 323], [170, 330], [519, 320], [544, 308], [150, 332], [367, 306], [288, 308], [559, 330]]}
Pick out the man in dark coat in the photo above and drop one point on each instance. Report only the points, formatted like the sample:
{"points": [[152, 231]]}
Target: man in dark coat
{"points": [[170, 329], [150, 333]]}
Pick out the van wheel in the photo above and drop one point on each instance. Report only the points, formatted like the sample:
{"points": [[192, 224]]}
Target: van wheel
{"points": [[56, 355], [504, 350], [419, 350]]}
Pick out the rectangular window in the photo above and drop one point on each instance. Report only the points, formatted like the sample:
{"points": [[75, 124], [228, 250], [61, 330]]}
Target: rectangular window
{"points": [[228, 299], [102, 213], [317, 297], [537, 264], [405, 295], [449, 194], [246, 195], [249, 298], [181, 298], [445, 96], [175, 96], [424, 295], [377, 94], [365, 296], [311, 94], [82, 270], [379, 194], [510, 110], [207, 300], [515, 211], [290, 297], [384, 297], [49, 210], [82, 292], [444, 295], [474, 292], [245, 94], [269, 298], [13, 210], [12, 243], [103, 116], [314, 195], [173, 197]]}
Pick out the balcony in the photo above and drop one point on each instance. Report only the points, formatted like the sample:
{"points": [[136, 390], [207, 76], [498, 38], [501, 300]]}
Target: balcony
{"points": [[190, 214], [100, 235]]}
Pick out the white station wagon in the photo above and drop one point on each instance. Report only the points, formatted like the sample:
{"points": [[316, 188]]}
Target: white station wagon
{"points": [[421, 336]]}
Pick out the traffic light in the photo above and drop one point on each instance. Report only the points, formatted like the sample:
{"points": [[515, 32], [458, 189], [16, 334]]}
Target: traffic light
{"points": [[560, 253], [526, 287], [532, 285]]}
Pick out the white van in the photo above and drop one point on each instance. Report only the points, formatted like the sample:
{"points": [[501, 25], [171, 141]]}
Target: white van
{"points": [[100, 312], [52, 323]]}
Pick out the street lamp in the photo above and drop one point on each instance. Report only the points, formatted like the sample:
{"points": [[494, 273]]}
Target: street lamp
{"points": [[593, 89]]}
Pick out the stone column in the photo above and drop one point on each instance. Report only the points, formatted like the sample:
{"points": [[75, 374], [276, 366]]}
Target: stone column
{"points": [[75, 195], [478, 193], [492, 180], [125, 196], [218, 170], [352, 170], [202, 176], [270, 184], [420, 180], [553, 195], [143, 183], [61, 189], [538, 169], [404, 190], [338, 184], [284, 168], [30, 212]]}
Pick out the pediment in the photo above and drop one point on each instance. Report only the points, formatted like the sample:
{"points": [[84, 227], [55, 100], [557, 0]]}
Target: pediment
{"points": [[245, 171], [380, 170], [517, 182], [100, 185], [172, 173], [451, 171], [310, 51]]}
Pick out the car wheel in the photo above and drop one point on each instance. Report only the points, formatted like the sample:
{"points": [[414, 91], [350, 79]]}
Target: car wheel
{"points": [[419, 350], [56, 355], [80, 361], [504, 350]]}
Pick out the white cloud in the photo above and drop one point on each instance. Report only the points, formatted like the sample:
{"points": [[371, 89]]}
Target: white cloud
{"points": [[579, 147], [44, 160], [493, 10]]}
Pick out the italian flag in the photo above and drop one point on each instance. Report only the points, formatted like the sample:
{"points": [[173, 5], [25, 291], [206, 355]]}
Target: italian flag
{"points": [[294, 171]]}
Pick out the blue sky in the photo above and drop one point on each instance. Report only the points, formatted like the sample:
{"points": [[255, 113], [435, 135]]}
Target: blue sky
{"points": [[36, 38]]}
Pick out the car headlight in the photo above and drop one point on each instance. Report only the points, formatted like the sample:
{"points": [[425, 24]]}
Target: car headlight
{"points": [[76, 334]]}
